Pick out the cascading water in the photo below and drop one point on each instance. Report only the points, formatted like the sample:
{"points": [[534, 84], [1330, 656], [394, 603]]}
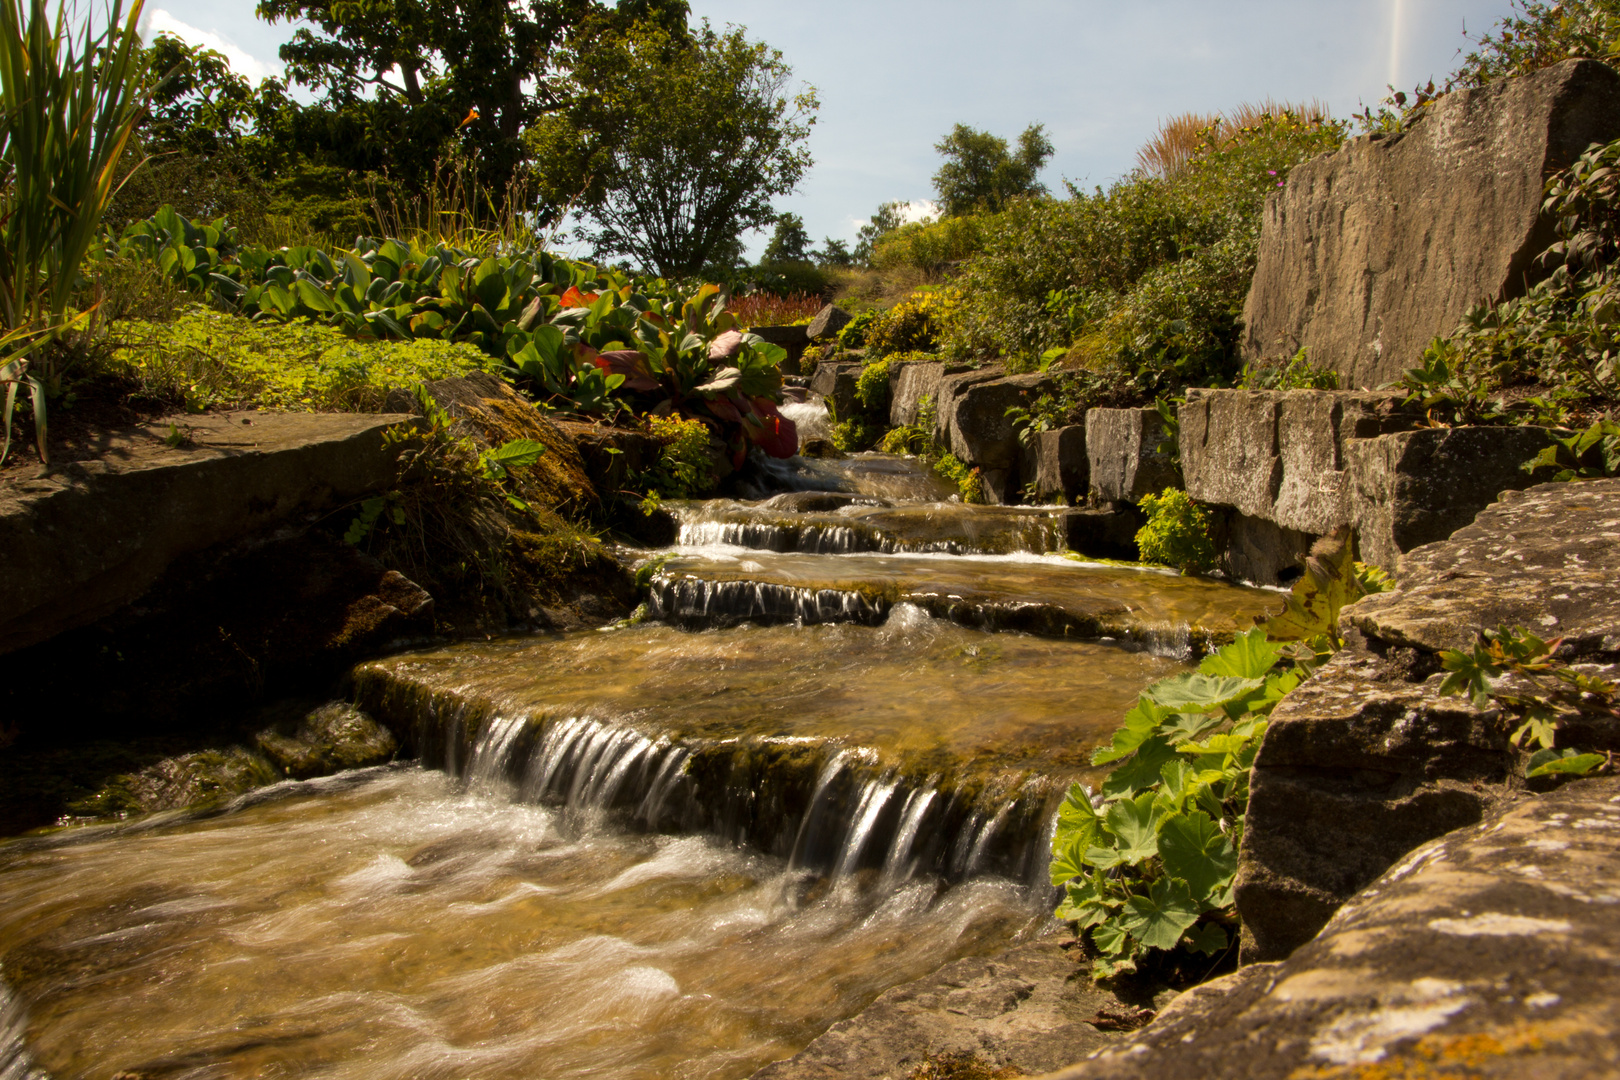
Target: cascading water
{"points": [[828, 762]]}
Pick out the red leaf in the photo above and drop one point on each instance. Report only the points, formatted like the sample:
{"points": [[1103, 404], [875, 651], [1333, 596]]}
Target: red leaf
{"points": [[724, 409], [781, 436], [573, 298], [629, 363], [726, 345]]}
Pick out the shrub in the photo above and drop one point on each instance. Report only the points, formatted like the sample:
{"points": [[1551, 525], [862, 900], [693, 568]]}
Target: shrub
{"points": [[684, 469], [1297, 374], [857, 433], [930, 247], [969, 484], [208, 359], [1149, 275], [1177, 533], [913, 325], [872, 387]]}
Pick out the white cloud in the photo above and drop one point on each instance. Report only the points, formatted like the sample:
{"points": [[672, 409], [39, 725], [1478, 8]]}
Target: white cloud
{"points": [[917, 209], [243, 63]]}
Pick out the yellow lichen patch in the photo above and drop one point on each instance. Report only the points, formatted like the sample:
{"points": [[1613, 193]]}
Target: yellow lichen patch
{"points": [[1452, 1057]]}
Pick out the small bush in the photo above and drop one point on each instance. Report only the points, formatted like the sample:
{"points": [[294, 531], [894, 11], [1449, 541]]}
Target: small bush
{"points": [[913, 325], [930, 247], [1177, 533], [857, 433], [969, 484], [208, 359], [872, 387], [684, 469], [1297, 374]]}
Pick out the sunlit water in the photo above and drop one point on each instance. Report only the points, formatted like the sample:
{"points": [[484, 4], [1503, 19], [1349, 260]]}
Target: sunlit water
{"points": [[406, 929]]}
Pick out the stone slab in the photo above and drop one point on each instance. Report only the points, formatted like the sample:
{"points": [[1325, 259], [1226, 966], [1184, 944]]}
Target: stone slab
{"points": [[1365, 760], [1028, 1008], [1492, 953], [1055, 463], [86, 538], [835, 382], [1125, 463], [1370, 252]]}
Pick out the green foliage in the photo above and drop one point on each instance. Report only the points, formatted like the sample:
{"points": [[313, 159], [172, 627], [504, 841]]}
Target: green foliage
{"points": [[1177, 533], [969, 484], [929, 247], [1150, 864], [912, 325], [872, 386], [1297, 374], [1448, 394], [1594, 452], [1534, 690], [1331, 579], [1539, 35], [853, 335], [857, 433], [684, 469], [578, 338], [1564, 332], [208, 359], [69, 103], [886, 220], [980, 174], [1148, 276], [691, 138]]}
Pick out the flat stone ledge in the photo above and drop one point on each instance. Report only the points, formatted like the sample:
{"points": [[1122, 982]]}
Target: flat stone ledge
{"points": [[1029, 1007], [85, 538], [1493, 952]]}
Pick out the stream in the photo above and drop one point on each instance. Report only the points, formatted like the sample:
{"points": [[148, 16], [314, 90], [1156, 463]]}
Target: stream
{"points": [[825, 763]]}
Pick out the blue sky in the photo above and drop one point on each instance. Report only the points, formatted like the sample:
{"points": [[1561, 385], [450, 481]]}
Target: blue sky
{"points": [[894, 77]]}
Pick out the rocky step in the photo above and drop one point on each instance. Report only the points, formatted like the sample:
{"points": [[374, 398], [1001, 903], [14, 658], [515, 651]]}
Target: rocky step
{"points": [[1047, 595], [916, 747], [841, 523]]}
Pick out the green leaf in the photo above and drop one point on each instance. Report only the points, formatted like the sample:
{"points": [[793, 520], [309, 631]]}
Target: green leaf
{"points": [[1110, 938], [1249, 656], [1329, 583], [1567, 763], [1083, 903], [1216, 744], [515, 453], [1540, 726], [1208, 939], [1141, 772], [1136, 823], [1195, 691], [1140, 724], [1195, 850], [1185, 727], [1158, 919]]}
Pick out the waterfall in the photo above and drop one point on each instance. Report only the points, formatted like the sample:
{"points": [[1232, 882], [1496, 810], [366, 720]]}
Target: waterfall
{"points": [[688, 601], [15, 1062], [810, 417]]}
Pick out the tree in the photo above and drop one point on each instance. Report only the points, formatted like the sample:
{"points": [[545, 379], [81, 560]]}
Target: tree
{"points": [[402, 81], [789, 243], [889, 217], [980, 174], [835, 253], [686, 143]]}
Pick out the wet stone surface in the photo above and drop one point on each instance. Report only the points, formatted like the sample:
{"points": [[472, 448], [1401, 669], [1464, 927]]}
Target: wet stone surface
{"points": [[1493, 952]]}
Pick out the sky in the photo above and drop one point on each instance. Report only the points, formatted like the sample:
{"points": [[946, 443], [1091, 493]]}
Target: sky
{"points": [[893, 78]]}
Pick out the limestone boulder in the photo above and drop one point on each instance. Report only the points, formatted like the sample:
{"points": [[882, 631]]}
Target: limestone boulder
{"points": [[910, 385], [1055, 463], [1417, 487], [835, 382], [86, 538], [977, 429], [1366, 760], [1125, 462], [1370, 252], [828, 321], [1492, 952]]}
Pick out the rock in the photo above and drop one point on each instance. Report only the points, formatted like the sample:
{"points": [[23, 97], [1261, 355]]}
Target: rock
{"points": [[909, 386], [1122, 447], [1298, 464], [85, 539], [611, 456], [334, 737], [1488, 953], [1365, 760], [835, 382], [820, 448], [1417, 487], [1372, 251], [1280, 456], [1103, 534], [795, 339], [1055, 463], [976, 428], [828, 321], [203, 780], [1027, 1008]]}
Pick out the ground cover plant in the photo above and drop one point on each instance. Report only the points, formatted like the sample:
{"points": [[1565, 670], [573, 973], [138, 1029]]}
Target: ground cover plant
{"points": [[1147, 862]]}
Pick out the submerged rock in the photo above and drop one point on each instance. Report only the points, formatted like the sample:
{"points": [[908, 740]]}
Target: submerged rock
{"points": [[1024, 1010], [1489, 953], [330, 739]]}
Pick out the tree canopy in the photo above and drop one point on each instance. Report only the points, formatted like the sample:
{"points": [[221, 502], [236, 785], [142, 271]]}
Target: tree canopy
{"points": [[683, 143], [981, 174]]}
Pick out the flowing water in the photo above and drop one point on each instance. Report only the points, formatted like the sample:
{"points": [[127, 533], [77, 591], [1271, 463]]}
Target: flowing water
{"points": [[827, 764]]}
